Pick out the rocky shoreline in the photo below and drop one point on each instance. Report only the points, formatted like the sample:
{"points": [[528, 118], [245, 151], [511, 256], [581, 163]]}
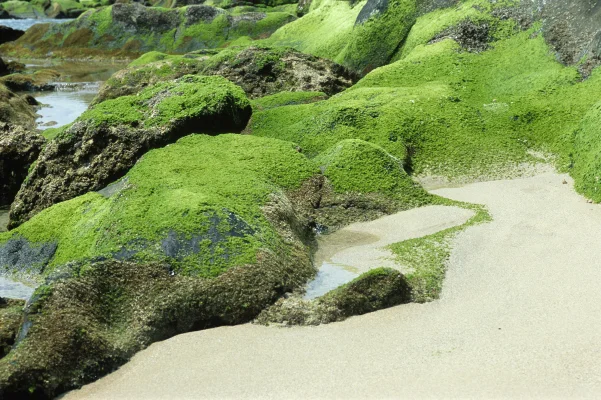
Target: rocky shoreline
{"points": [[190, 193]]}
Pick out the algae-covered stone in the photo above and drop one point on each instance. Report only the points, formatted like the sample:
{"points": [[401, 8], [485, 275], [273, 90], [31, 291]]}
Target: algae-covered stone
{"points": [[196, 204], [342, 32], [109, 138], [129, 30], [364, 182], [38, 81], [15, 109], [200, 234], [586, 161], [458, 114], [259, 71], [18, 150], [374, 290]]}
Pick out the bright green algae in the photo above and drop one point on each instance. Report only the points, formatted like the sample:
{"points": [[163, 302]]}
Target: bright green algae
{"points": [[452, 112], [188, 97], [206, 187], [329, 31]]}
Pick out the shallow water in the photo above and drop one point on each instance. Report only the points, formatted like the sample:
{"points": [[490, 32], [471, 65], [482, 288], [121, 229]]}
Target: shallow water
{"points": [[63, 107], [24, 24], [14, 290], [75, 89], [332, 275], [329, 277]]}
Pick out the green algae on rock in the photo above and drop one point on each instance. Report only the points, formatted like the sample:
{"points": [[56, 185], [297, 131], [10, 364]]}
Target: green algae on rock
{"points": [[374, 290], [363, 182], [200, 234], [126, 30], [16, 109], [38, 81], [107, 140], [259, 71], [48, 8], [196, 204], [459, 114]]}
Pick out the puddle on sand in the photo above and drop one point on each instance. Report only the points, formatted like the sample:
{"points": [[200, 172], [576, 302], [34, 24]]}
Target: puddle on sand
{"points": [[332, 275]]}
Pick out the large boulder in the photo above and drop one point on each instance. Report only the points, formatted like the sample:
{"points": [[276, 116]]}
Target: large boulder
{"points": [[129, 30], [198, 234], [107, 140], [259, 71], [18, 150], [8, 34]]}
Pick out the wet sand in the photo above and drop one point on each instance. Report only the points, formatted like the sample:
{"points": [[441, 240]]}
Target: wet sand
{"points": [[519, 317]]}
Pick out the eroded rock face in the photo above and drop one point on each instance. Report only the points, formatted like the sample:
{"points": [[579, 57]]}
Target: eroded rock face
{"points": [[11, 316], [259, 71], [18, 150], [108, 139]]}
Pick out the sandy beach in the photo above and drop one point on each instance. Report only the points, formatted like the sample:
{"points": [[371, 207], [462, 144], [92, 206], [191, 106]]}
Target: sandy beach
{"points": [[519, 317]]}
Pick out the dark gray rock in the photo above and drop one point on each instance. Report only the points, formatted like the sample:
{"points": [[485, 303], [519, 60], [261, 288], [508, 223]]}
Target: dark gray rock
{"points": [[26, 257], [9, 34], [18, 150]]}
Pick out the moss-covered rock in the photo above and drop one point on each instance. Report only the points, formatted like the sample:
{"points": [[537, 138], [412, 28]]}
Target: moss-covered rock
{"points": [[41, 80], [198, 234], [259, 71], [374, 290], [458, 114], [287, 99], [196, 204], [586, 157], [129, 30], [18, 150], [85, 326], [107, 140], [11, 317], [363, 182], [16, 109]]}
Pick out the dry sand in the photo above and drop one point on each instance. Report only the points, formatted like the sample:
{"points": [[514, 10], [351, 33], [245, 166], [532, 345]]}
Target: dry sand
{"points": [[519, 317]]}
